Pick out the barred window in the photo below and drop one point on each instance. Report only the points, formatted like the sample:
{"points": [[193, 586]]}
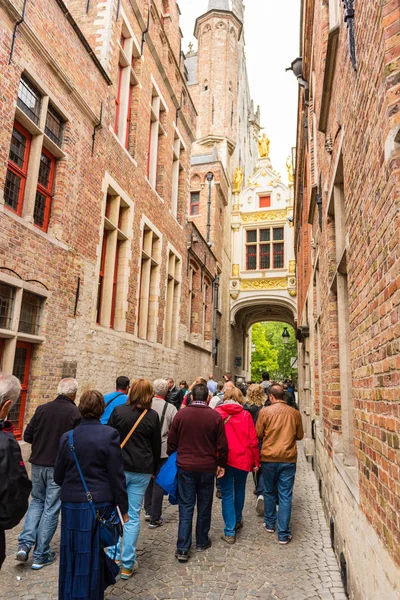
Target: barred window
{"points": [[29, 99], [6, 305], [29, 321], [265, 250], [54, 126]]}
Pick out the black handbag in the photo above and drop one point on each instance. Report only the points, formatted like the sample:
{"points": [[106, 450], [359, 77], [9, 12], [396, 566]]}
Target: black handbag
{"points": [[111, 528]]}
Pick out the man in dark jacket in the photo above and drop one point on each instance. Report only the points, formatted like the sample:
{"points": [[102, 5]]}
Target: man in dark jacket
{"points": [[14, 482], [198, 434], [174, 395], [44, 431]]}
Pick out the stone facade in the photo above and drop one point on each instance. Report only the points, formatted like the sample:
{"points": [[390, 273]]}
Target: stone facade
{"points": [[263, 272], [347, 244]]}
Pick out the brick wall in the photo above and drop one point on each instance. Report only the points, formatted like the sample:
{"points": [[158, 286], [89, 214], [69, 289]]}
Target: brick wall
{"points": [[360, 128]]}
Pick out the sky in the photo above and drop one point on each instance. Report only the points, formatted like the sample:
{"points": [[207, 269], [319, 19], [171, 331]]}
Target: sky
{"points": [[272, 43]]}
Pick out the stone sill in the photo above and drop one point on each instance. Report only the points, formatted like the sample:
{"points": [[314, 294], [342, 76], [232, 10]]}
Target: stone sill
{"points": [[201, 348], [349, 474]]}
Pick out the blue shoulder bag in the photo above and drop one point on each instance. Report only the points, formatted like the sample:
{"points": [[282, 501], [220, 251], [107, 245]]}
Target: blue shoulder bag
{"points": [[111, 528]]}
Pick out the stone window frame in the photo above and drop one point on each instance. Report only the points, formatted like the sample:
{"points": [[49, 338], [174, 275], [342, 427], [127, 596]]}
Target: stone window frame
{"points": [[12, 335], [158, 112], [258, 243], [172, 297], [179, 147], [119, 233], [149, 281], [194, 204], [339, 287], [127, 80], [39, 143]]}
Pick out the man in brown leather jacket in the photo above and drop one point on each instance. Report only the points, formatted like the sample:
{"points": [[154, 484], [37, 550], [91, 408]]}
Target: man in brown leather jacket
{"points": [[279, 426]]}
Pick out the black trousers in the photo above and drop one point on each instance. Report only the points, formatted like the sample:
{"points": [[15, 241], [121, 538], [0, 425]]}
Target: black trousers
{"points": [[153, 497], [2, 547]]}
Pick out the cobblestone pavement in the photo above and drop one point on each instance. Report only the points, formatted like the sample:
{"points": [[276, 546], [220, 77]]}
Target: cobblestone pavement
{"points": [[255, 567]]}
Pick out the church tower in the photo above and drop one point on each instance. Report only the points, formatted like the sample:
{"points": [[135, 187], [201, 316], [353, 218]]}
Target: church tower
{"points": [[218, 32]]}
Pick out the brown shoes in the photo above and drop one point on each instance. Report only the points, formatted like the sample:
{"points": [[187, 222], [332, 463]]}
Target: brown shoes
{"points": [[229, 539]]}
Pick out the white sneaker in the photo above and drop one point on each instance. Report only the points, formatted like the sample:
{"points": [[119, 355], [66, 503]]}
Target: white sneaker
{"points": [[260, 506]]}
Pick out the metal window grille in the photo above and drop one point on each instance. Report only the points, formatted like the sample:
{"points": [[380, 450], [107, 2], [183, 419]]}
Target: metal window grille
{"points": [[39, 213], [278, 234], [29, 321], [278, 256], [6, 305], [265, 258], [12, 190], [54, 126], [29, 99]]}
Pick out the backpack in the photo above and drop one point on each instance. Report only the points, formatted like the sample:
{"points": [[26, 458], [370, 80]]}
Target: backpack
{"points": [[15, 485]]}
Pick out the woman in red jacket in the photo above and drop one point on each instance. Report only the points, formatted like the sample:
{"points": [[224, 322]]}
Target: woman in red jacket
{"points": [[244, 457]]}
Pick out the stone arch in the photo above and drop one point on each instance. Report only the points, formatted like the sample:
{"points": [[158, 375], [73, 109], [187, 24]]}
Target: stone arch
{"points": [[264, 307], [195, 181], [206, 28], [221, 26]]}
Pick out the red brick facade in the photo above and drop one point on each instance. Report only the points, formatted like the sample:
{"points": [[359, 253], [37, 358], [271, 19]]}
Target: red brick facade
{"points": [[347, 228]]}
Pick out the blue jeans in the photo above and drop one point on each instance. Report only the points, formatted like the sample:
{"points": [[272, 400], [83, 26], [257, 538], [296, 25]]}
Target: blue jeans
{"points": [[194, 486], [42, 517], [233, 488], [278, 478], [136, 485]]}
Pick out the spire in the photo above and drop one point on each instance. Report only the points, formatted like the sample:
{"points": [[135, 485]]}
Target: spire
{"points": [[218, 5]]}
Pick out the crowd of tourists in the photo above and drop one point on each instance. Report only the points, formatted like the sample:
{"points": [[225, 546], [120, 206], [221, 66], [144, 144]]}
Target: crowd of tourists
{"points": [[103, 462]]}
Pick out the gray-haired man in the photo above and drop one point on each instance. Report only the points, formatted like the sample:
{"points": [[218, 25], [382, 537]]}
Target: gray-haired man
{"points": [[153, 498], [44, 431], [14, 482]]}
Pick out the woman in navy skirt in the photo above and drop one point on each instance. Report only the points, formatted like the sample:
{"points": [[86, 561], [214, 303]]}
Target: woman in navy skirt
{"points": [[85, 570]]}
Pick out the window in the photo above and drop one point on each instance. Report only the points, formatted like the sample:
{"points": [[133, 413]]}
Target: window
{"points": [[177, 167], [261, 245], [265, 201], [194, 203], [17, 168], [156, 130], [126, 81], [54, 126], [149, 285], [6, 305], [29, 99], [41, 214], [29, 320], [21, 369], [109, 301], [172, 304]]}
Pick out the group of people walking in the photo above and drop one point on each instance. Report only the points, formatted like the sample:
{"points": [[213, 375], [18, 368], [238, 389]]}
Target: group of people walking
{"points": [[100, 459]]}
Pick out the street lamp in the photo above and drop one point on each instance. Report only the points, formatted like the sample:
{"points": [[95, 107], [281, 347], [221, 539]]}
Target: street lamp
{"points": [[285, 336]]}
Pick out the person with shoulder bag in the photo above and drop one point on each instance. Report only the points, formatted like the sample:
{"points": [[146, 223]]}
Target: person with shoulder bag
{"points": [[139, 429], [15, 485], [89, 469]]}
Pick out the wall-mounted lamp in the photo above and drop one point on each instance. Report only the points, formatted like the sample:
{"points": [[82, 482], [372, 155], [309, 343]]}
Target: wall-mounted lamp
{"points": [[297, 68], [285, 336]]}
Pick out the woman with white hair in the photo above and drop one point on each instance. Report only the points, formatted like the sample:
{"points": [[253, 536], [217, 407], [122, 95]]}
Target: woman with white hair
{"points": [[15, 486]]}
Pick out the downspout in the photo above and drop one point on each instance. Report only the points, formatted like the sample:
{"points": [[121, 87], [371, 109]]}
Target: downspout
{"points": [[216, 298], [209, 177], [17, 24]]}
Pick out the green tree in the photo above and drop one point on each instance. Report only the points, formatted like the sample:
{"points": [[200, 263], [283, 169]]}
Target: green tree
{"points": [[264, 357], [270, 351]]}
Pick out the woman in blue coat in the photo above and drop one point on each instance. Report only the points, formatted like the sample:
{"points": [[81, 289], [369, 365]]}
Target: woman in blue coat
{"points": [[83, 563]]}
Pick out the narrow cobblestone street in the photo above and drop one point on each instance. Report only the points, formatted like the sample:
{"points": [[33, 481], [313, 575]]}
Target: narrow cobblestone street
{"points": [[255, 567]]}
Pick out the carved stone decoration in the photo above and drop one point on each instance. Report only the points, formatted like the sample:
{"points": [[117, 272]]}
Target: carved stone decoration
{"points": [[292, 293], [292, 266], [234, 295], [272, 215], [235, 270], [234, 284], [278, 283]]}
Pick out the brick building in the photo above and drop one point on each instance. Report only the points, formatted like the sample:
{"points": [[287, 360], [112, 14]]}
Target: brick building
{"points": [[95, 117], [105, 268], [347, 244]]}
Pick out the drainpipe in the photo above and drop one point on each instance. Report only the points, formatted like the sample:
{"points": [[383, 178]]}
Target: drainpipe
{"points": [[216, 293], [209, 177]]}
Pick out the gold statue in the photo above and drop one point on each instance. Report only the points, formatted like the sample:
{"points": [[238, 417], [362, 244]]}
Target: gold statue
{"points": [[263, 146], [289, 168], [237, 180]]}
